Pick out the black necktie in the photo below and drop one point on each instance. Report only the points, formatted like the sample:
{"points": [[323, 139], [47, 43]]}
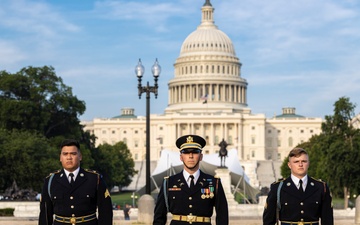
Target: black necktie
{"points": [[71, 175], [192, 184], [300, 186]]}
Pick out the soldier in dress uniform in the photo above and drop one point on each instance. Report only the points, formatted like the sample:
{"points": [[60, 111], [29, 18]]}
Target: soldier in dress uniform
{"points": [[299, 199], [74, 195], [191, 203]]}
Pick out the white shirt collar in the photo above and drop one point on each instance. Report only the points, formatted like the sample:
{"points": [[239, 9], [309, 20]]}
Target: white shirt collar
{"points": [[75, 172], [296, 181], [188, 179]]}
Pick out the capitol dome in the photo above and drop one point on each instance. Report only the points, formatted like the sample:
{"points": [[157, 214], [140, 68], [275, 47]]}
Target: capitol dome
{"points": [[207, 71], [207, 38]]}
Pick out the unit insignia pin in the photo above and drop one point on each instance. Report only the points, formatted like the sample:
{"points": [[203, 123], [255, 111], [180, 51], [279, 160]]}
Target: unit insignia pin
{"points": [[312, 184], [288, 184]]}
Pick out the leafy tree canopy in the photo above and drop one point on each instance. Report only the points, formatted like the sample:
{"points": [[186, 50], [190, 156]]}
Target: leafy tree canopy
{"points": [[37, 112]]}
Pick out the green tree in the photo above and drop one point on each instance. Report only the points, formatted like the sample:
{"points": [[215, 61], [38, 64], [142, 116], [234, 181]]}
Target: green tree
{"points": [[37, 112], [342, 153], [115, 163], [26, 158], [36, 99]]}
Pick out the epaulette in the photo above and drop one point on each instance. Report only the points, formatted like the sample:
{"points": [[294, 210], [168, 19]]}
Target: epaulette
{"points": [[57, 171], [92, 171], [321, 181], [279, 180], [216, 176], [167, 177]]}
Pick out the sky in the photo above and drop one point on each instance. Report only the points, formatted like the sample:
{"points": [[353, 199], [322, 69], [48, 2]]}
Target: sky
{"points": [[303, 54]]}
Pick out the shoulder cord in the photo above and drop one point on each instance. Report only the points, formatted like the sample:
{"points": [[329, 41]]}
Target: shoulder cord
{"points": [[278, 203], [166, 194], [49, 184]]}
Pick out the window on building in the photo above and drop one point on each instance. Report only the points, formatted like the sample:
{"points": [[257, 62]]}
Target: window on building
{"points": [[160, 128], [104, 132], [302, 131], [136, 131], [253, 154], [216, 140], [136, 144], [230, 140], [124, 131], [136, 156], [253, 140], [290, 131], [311, 131], [253, 128], [269, 131], [279, 143], [290, 142], [125, 140], [113, 132], [279, 131]]}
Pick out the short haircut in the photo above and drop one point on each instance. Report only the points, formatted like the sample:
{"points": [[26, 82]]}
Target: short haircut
{"points": [[296, 152], [70, 142]]}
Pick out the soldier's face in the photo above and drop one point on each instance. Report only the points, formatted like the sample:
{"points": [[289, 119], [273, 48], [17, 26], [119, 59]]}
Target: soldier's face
{"points": [[299, 165], [191, 160], [70, 158]]}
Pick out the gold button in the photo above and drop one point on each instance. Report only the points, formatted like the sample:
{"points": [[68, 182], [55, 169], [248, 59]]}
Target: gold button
{"points": [[190, 198], [301, 203], [71, 197], [72, 206], [302, 211], [190, 206]]}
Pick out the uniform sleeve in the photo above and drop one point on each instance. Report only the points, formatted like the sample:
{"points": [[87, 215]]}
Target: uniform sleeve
{"points": [[221, 206], [327, 217], [160, 211], [269, 214], [105, 211], [46, 206]]}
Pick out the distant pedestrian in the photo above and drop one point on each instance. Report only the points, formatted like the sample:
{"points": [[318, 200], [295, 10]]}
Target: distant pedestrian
{"points": [[127, 212]]}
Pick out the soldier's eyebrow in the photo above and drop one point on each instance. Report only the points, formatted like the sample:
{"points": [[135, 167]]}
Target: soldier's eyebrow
{"points": [[72, 153]]}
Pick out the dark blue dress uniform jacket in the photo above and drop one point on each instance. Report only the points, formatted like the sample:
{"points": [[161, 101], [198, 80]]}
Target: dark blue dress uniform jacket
{"points": [[184, 202], [87, 194], [314, 204]]}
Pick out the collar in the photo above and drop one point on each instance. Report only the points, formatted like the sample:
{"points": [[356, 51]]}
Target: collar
{"points": [[75, 172], [296, 180], [187, 178]]}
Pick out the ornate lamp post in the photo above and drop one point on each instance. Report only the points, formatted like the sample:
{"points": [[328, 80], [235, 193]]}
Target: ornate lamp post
{"points": [[139, 71]]}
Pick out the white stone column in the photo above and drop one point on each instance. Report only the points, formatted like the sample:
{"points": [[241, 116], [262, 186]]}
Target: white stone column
{"points": [[224, 174]]}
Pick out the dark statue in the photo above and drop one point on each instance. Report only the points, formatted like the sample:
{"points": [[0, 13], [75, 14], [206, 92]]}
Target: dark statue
{"points": [[223, 153], [15, 193]]}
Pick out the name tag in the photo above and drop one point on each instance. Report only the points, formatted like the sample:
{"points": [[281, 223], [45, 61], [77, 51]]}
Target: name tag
{"points": [[174, 189]]}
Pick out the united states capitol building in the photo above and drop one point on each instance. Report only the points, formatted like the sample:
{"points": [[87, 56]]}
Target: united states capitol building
{"points": [[208, 96]]}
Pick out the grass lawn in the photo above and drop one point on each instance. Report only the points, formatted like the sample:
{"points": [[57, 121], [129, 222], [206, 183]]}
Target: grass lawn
{"points": [[122, 198]]}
